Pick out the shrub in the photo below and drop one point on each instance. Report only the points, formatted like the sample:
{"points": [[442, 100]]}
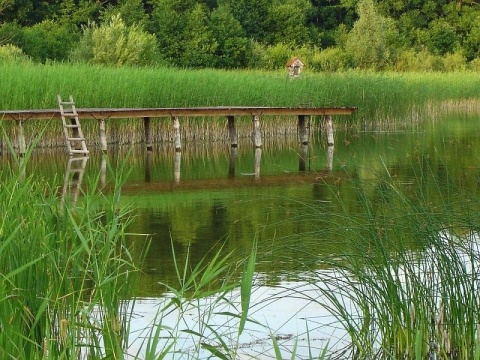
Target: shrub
{"points": [[455, 62], [12, 53], [330, 60], [474, 64], [272, 57], [117, 44], [48, 40]]}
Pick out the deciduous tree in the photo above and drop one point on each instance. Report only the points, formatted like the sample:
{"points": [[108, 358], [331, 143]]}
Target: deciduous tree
{"points": [[233, 46], [369, 43]]}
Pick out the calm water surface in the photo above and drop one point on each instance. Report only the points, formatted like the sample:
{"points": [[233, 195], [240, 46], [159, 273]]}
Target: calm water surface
{"points": [[210, 197]]}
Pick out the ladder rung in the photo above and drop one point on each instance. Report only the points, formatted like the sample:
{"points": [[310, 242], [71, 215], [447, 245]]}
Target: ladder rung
{"points": [[76, 139], [72, 126], [67, 103], [78, 151], [70, 114]]}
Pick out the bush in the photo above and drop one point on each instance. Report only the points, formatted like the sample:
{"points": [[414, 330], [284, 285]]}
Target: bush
{"points": [[330, 60], [474, 64], [48, 40], [455, 62], [12, 53], [117, 44], [272, 57]]}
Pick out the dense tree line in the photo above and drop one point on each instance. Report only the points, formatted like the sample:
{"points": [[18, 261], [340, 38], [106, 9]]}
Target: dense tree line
{"points": [[328, 35]]}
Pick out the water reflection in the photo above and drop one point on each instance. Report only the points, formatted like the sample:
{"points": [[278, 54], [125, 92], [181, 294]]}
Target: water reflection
{"points": [[308, 314], [231, 161], [330, 151], [73, 178], [289, 211], [258, 160], [177, 167], [303, 157], [148, 166]]}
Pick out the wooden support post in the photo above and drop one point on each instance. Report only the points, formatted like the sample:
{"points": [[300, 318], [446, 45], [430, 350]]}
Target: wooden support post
{"points": [[257, 136], [232, 131], [22, 147], [176, 130], [258, 158], [329, 130], [148, 135], [303, 129], [177, 167], [231, 162], [103, 135]]}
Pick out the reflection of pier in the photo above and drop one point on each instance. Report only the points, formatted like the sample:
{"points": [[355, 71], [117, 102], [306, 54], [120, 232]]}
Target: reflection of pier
{"points": [[304, 116], [239, 181], [73, 179]]}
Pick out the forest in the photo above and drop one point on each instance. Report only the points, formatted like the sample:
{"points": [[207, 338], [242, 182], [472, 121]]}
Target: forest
{"points": [[328, 35]]}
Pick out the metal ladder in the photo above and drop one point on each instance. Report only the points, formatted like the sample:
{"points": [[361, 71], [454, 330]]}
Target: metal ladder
{"points": [[73, 131]]}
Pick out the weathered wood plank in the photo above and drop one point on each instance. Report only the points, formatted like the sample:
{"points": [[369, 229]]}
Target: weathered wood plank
{"points": [[115, 113]]}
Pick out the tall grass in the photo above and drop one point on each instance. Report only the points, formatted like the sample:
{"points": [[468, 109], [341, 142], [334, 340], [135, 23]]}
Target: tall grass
{"points": [[66, 272], [380, 97], [31, 86], [407, 284]]}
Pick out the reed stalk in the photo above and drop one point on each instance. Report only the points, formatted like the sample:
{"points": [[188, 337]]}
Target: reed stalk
{"points": [[407, 285], [66, 272]]}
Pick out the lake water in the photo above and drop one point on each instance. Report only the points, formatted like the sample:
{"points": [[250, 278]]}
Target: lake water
{"points": [[211, 198]]}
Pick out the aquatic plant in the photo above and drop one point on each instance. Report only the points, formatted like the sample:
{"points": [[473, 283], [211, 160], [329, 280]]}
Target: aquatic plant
{"points": [[66, 270], [407, 284]]}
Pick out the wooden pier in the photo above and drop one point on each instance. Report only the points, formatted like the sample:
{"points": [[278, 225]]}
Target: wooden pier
{"points": [[146, 114]]}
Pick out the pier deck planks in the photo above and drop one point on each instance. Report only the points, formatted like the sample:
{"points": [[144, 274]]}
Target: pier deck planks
{"points": [[122, 113]]}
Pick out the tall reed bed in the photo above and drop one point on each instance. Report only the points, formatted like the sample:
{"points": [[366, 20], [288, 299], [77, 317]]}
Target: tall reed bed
{"points": [[406, 284], [66, 272], [377, 95]]}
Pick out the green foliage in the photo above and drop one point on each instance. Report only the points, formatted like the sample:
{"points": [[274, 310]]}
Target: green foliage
{"points": [[116, 44], [199, 45], [455, 62], [78, 13], [271, 57], [65, 271], [5, 4], [167, 23], [288, 22], [440, 38], [222, 33], [472, 39], [330, 60], [131, 11], [369, 44], [475, 64], [411, 60], [253, 15], [12, 53], [233, 48], [48, 40]]}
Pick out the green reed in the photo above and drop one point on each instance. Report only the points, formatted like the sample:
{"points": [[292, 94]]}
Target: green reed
{"points": [[407, 285], [378, 96], [384, 100], [66, 271]]}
